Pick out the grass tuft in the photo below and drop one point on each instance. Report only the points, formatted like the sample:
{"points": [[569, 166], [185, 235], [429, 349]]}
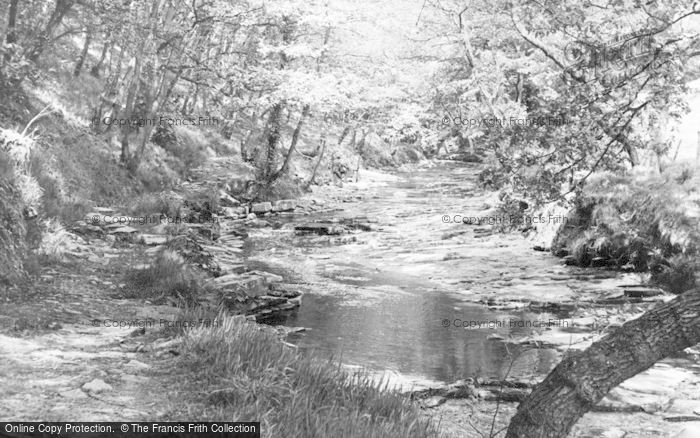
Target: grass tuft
{"points": [[249, 374], [168, 276]]}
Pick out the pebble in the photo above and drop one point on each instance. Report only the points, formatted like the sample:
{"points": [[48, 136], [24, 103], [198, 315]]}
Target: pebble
{"points": [[97, 386]]}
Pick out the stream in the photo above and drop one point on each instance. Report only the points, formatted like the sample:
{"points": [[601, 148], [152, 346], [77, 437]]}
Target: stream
{"points": [[396, 298]]}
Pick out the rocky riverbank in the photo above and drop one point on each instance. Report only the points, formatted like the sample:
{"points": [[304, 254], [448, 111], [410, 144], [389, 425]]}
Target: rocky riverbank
{"points": [[408, 248]]}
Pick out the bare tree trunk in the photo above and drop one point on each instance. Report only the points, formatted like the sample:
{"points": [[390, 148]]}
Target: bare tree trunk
{"points": [[83, 54], [344, 134], [273, 129], [320, 157], [193, 103], [582, 379], [95, 70], [295, 139], [156, 100], [245, 145], [129, 110], [11, 25]]}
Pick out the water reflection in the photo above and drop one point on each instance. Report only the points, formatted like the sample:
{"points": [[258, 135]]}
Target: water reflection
{"points": [[381, 302]]}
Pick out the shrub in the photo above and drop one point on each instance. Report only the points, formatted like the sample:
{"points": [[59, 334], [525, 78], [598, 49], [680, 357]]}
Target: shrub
{"points": [[168, 204], [168, 276], [189, 147], [54, 243]]}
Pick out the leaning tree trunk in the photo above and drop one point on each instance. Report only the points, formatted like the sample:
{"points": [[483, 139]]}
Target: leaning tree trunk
{"points": [[83, 54], [295, 139], [313, 172], [274, 128], [582, 379]]}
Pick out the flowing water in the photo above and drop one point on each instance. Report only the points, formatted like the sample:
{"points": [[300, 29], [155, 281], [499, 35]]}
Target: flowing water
{"points": [[396, 298]]}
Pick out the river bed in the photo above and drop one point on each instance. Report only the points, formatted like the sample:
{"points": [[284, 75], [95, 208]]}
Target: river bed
{"points": [[406, 296]]}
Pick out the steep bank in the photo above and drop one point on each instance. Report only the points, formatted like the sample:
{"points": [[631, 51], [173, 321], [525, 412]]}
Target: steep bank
{"points": [[642, 222]]}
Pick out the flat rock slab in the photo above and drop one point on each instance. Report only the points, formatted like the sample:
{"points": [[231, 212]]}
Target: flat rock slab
{"points": [[642, 292], [651, 391], [104, 210], [124, 230], [251, 285], [323, 229]]}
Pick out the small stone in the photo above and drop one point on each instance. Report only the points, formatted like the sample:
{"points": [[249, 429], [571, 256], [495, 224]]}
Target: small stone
{"points": [[232, 212], [153, 239], [434, 402], [262, 207], [167, 344], [97, 386], [251, 216]]}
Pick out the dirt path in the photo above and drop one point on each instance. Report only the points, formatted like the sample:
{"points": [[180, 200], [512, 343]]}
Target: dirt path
{"points": [[64, 356], [76, 374]]}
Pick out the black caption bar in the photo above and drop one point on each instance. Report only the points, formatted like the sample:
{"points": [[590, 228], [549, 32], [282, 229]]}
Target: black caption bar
{"points": [[20, 429]]}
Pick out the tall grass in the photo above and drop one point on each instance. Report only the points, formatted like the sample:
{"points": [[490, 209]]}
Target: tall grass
{"points": [[241, 371]]}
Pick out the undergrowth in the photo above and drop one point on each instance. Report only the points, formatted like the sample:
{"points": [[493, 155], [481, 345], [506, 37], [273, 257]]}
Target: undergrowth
{"points": [[640, 223]]}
